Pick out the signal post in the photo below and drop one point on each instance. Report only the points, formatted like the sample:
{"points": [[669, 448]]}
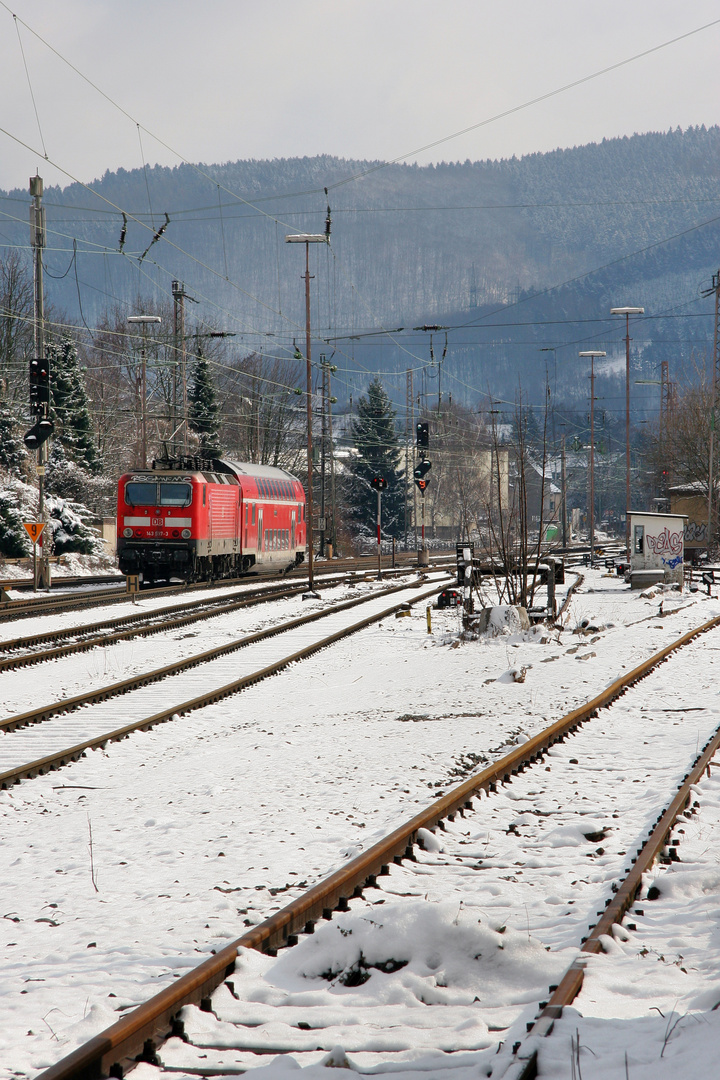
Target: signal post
{"points": [[380, 484], [42, 429], [421, 470]]}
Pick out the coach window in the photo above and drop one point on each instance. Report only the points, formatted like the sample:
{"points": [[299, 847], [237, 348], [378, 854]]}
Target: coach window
{"points": [[252, 522]]}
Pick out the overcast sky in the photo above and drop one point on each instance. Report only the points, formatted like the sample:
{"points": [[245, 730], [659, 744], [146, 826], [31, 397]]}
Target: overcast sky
{"points": [[229, 79]]}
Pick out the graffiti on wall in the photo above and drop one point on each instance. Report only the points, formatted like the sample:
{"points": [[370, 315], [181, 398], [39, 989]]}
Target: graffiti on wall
{"points": [[696, 532], [666, 543]]}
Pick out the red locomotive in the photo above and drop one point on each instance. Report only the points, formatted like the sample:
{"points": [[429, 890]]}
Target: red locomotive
{"points": [[200, 519]]}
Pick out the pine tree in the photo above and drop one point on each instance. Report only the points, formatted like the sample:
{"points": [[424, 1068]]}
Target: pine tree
{"points": [[378, 454], [70, 408], [14, 540], [203, 408], [12, 451]]}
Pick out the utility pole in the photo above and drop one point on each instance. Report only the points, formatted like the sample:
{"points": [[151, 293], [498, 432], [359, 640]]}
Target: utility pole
{"points": [[325, 380], [41, 577], [178, 293], [627, 312], [307, 239], [143, 320], [331, 401], [592, 353], [563, 497], [409, 426], [715, 288]]}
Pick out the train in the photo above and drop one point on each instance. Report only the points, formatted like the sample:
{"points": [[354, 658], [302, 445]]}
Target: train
{"points": [[198, 519]]}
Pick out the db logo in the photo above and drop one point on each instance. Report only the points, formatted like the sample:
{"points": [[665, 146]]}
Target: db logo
{"points": [[156, 521]]}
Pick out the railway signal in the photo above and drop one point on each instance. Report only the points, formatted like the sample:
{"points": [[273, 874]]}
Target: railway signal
{"points": [[422, 431], [422, 469], [421, 485], [380, 484]]}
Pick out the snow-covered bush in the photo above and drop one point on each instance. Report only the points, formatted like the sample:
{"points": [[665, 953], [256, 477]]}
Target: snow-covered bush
{"points": [[14, 540], [65, 478], [71, 529]]}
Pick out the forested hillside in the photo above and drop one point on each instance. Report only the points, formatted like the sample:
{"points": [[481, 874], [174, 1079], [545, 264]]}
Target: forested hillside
{"points": [[469, 245]]}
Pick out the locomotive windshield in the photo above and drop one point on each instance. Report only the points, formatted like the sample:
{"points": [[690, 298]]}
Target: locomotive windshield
{"points": [[140, 494], [175, 495], [153, 494]]}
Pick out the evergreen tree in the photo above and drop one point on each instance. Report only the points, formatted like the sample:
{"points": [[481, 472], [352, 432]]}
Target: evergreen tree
{"points": [[12, 450], [70, 408], [203, 408], [14, 540], [378, 454]]}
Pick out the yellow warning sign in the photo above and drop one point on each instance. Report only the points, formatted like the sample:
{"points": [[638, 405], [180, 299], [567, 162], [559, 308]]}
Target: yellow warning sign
{"points": [[34, 529]]}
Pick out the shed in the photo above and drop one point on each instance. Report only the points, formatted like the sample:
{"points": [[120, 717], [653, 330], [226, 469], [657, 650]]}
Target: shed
{"points": [[657, 548]]}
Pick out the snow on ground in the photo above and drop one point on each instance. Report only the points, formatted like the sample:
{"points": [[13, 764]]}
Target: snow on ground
{"points": [[653, 997], [133, 863], [70, 565]]}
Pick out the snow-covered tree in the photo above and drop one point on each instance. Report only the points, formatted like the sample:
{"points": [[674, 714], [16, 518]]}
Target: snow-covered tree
{"points": [[12, 450], [378, 454], [69, 524], [14, 539], [203, 408], [70, 407]]}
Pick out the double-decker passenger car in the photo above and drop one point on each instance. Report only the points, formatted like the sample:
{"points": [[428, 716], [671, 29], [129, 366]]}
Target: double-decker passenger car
{"points": [[199, 519]]}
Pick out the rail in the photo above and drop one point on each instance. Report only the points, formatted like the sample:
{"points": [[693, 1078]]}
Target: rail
{"points": [[138, 1032]]}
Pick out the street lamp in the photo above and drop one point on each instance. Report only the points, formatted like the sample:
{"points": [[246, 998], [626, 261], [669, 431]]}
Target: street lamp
{"points": [[143, 320], [307, 239], [592, 353], [627, 312]]}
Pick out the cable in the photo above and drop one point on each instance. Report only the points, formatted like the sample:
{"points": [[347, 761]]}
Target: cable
{"points": [[526, 105]]}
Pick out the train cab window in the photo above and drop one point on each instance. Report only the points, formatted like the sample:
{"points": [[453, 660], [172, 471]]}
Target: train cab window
{"points": [[139, 494], [175, 495]]}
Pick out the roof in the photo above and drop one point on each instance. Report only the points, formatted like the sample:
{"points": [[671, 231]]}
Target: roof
{"points": [[654, 513], [262, 472]]}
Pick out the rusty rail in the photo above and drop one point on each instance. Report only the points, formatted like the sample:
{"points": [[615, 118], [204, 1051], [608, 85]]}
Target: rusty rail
{"points": [[72, 753], [134, 1037]]}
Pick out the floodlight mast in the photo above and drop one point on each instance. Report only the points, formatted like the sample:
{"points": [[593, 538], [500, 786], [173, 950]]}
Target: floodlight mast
{"points": [[307, 239], [592, 353], [627, 312]]}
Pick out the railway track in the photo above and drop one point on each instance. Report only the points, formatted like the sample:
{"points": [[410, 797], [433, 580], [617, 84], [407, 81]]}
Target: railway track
{"points": [[57, 732], [27, 650], [49, 604], [471, 856]]}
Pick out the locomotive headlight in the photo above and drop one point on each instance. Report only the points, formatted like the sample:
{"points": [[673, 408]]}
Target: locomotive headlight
{"points": [[127, 532], [185, 534]]}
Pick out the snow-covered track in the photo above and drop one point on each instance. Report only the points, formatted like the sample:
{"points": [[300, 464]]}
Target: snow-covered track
{"points": [[25, 651], [46, 604], [525, 1067], [212, 672], [136, 1036]]}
